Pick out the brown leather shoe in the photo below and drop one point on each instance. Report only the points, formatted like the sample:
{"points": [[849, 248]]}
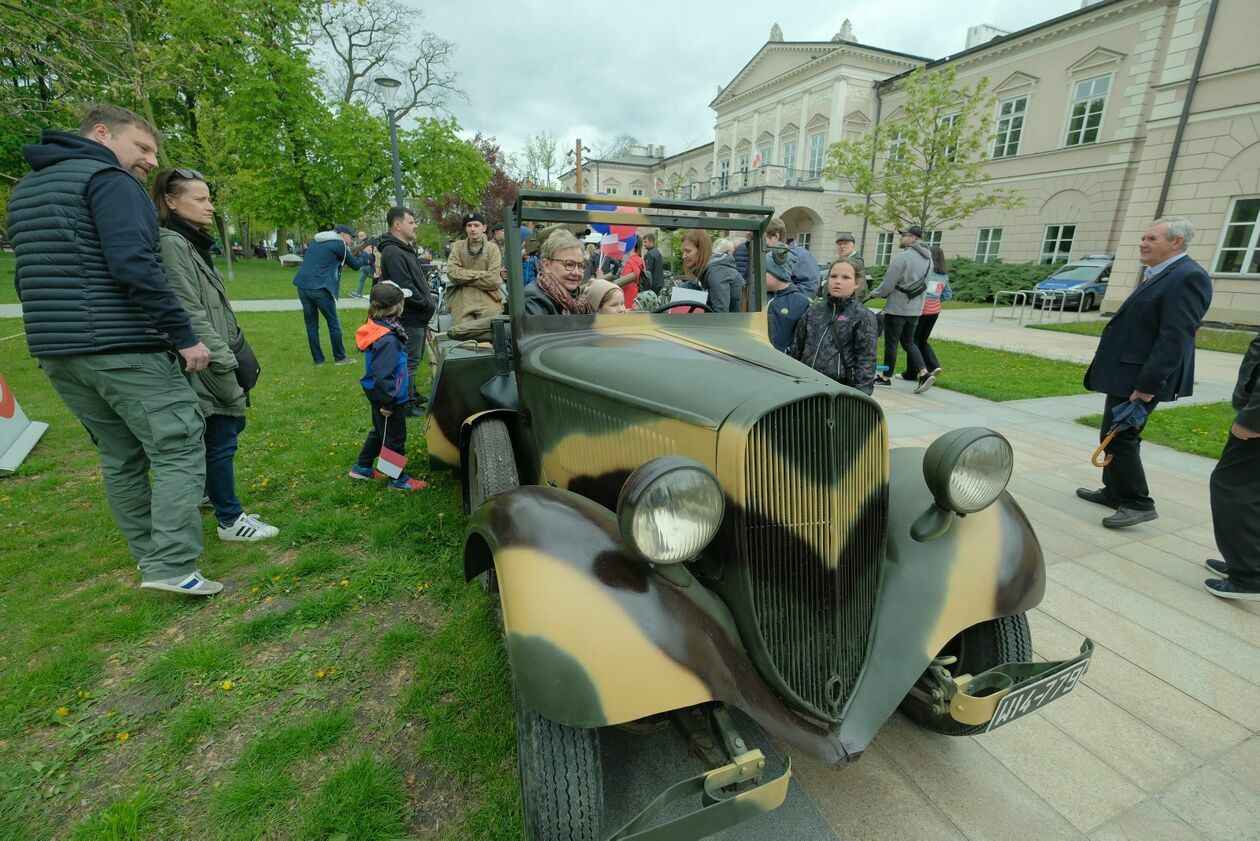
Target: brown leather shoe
{"points": [[1099, 496], [1126, 517]]}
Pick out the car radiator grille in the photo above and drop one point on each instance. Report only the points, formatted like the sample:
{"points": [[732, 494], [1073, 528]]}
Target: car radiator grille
{"points": [[814, 517]]}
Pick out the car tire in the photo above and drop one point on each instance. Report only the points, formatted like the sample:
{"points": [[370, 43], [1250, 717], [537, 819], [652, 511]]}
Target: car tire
{"points": [[491, 471], [562, 793], [1006, 639], [1089, 302]]}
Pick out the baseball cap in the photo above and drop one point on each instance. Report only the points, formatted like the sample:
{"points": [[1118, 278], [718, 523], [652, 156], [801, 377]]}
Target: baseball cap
{"points": [[387, 294], [343, 229], [913, 230], [845, 237]]}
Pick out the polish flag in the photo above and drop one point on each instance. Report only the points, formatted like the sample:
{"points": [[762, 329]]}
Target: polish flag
{"points": [[391, 463], [610, 245], [756, 161]]}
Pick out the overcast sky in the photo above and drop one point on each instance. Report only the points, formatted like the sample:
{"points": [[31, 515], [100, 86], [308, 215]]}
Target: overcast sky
{"points": [[650, 68]]}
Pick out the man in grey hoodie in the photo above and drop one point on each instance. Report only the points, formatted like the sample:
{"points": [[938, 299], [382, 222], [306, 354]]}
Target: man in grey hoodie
{"points": [[901, 312]]}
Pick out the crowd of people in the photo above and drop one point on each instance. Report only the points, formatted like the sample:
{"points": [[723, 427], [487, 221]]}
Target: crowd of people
{"points": [[133, 326]]}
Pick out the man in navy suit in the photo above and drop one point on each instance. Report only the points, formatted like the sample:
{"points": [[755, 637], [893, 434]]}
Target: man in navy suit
{"points": [[1147, 353]]}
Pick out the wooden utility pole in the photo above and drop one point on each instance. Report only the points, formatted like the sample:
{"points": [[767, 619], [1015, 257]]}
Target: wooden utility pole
{"points": [[578, 152]]}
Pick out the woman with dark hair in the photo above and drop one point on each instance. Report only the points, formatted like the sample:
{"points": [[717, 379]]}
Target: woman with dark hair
{"points": [[182, 198], [715, 272], [559, 279], [938, 292]]}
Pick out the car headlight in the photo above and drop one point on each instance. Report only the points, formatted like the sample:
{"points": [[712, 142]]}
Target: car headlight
{"points": [[670, 509], [968, 469]]}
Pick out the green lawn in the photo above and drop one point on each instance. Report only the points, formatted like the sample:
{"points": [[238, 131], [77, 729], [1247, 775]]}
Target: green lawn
{"points": [[254, 279], [1002, 375], [1208, 338], [1200, 430], [346, 684]]}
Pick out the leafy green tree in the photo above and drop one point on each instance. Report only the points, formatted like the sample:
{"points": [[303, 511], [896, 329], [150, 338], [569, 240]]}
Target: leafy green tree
{"points": [[928, 162]]}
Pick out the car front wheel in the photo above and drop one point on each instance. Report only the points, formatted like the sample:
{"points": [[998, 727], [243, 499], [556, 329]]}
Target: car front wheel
{"points": [[562, 794], [1006, 639], [1089, 303], [491, 471]]}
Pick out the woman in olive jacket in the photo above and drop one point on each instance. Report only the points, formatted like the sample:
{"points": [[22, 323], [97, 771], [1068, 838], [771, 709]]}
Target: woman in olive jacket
{"points": [[183, 205]]}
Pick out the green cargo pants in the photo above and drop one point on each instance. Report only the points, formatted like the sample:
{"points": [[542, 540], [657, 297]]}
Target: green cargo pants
{"points": [[142, 414]]}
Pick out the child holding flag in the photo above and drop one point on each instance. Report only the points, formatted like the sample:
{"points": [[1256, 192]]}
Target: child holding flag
{"points": [[383, 343]]}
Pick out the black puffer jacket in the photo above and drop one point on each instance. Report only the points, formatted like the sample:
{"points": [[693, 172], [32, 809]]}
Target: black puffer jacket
{"points": [[836, 337]]}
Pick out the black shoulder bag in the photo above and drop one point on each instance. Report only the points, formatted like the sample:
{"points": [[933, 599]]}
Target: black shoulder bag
{"points": [[247, 367], [915, 288]]}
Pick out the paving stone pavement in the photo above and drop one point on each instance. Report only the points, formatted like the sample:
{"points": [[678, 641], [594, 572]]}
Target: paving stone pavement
{"points": [[1158, 742]]}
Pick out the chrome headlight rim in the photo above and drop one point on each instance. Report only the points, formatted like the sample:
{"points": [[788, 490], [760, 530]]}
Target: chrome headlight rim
{"points": [[637, 490], [944, 456]]}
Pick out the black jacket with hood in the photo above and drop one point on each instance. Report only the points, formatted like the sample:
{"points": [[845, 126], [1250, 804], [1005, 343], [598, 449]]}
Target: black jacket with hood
{"points": [[722, 280], [400, 264]]}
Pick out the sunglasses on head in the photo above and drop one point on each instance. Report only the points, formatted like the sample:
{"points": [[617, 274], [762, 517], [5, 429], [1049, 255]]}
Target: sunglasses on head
{"points": [[189, 174]]}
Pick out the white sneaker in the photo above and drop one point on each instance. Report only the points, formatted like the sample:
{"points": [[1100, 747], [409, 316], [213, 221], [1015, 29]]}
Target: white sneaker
{"points": [[194, 584], [247, 528]]}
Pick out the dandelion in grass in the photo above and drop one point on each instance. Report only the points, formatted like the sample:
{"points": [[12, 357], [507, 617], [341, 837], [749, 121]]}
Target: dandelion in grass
{"points": [[345, 582], [63, 711], [269, 600], [123, 736], [253, 590], [227, 685]]}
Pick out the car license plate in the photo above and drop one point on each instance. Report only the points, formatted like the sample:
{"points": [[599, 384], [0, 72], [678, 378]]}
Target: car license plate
{"points": [[1034, 695]]}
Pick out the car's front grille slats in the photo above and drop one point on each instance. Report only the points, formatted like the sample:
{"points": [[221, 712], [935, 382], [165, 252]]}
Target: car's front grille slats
{"points": [[813, 522]]}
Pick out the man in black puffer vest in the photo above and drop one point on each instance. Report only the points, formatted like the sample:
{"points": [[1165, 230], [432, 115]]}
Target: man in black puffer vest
{"points": [[111, 335], [400, 265]]}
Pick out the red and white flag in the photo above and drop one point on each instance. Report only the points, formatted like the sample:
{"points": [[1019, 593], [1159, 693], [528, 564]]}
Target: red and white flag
{"points": [[391, 463], [611, 246], [756, 162]]}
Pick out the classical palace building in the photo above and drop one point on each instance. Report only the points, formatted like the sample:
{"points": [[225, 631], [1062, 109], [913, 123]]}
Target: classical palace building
{"points": [[1105, 118]]}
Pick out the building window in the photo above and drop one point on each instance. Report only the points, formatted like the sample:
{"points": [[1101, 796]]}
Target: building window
{"points": [[789, 156], [611, 191], [763, 156], [802, 239], [1088, 99], [1057, 245], [947, 123], [817, 148], [988, 241], [1010, 126], [724, 174], [931, 238], [883, 248], [1240, 245], [636, 191], [897, 147], [743, 169]]}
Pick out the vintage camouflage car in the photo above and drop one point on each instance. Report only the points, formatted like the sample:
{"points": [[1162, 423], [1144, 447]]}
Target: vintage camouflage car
{"points": [[678, 518]]}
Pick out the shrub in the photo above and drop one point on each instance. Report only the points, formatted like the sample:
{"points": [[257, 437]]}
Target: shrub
{"points": [[976, 282]]}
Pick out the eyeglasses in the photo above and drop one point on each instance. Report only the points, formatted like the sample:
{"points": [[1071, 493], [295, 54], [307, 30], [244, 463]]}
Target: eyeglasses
{"points": [[569, 265], [189, 174]]}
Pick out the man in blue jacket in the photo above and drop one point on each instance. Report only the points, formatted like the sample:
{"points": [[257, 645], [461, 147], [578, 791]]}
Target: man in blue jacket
{"points": [[1146, 353], [111, 336], [318, 281]]}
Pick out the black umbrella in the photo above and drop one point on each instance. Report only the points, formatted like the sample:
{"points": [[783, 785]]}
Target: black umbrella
{"points": [[1131, 415]]}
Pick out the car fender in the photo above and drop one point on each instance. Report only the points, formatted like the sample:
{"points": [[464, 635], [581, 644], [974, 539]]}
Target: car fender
{"points": [[597, 636], [985, 565]]}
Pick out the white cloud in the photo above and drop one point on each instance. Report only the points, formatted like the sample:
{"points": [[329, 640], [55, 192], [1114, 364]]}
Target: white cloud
{"points": [[650, 68]]}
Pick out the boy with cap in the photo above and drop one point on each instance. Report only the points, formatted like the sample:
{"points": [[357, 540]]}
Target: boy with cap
{"points": [[786, 302], [473, 270], [383, 343]]}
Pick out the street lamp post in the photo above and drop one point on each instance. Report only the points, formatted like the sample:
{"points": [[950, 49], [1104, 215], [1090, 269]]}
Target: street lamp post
{"points": [[389, 90]]}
